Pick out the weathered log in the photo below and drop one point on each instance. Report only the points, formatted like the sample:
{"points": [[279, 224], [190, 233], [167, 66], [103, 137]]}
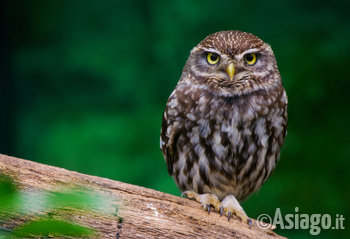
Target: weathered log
{"points": [[145, 213]]}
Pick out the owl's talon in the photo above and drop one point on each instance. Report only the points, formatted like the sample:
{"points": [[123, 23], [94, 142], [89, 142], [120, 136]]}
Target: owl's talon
{"points": [[229, 205], [208, 208], [183, 194], [206, 200], [249, 223]]}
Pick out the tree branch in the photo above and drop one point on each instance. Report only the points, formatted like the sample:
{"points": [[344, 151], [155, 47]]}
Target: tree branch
{"points": [[142, 212]]}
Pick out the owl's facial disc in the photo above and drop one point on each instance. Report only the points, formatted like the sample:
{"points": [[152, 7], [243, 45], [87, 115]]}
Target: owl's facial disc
{"points": [[232, 63]]}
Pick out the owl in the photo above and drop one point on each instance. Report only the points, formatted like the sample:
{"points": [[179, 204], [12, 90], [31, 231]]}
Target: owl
{"points": [[225, 123]]}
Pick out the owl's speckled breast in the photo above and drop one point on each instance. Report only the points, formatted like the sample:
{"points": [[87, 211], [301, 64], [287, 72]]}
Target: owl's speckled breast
{"points": [[223, 145]]}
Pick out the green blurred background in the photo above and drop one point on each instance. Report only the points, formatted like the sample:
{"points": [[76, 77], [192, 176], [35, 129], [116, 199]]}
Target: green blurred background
{"points": [[84, 84]]}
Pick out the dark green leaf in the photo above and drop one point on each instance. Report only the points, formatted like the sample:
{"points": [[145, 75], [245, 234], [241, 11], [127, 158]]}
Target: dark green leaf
{"points": [[51, 227]]}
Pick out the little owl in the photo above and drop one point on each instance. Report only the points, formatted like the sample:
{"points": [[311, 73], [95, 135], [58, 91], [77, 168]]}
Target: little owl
{"points": [[225, 123]]}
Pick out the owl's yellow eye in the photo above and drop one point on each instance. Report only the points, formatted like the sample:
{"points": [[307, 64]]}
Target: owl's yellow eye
{"points": [[250, 58], [213, 58]]}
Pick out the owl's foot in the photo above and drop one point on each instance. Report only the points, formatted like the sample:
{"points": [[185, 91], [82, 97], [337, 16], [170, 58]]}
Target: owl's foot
{"points": [[206, 200], [231, 206]]}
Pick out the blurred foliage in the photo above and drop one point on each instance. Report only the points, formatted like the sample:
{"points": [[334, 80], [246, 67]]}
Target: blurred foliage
{"points": [[85, 83], [52, 228], [8, 196], [43, 207]]}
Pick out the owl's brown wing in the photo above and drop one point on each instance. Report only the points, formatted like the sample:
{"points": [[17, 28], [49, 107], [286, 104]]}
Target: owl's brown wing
{"points": [[168, 144], [172, 130]]}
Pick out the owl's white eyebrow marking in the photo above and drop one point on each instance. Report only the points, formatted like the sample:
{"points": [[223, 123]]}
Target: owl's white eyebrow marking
{"points": [[253, 50], [211, 50]]}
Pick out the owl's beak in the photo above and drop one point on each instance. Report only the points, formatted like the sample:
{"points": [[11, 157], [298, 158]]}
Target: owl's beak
{"points": [[230, 71]]}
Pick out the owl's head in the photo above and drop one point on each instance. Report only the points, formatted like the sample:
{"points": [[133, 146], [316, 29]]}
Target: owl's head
{"points": [[233, 63]]}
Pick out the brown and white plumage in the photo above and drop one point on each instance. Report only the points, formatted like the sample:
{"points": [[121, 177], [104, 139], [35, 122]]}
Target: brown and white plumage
{"points": [[225, 123]]}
